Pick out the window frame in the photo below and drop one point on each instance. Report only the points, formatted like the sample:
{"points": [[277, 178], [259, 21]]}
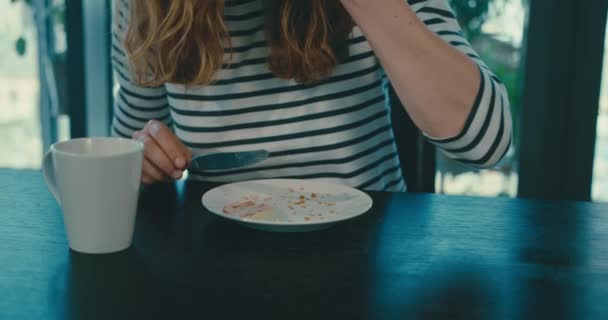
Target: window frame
{"points": [[560, 104]]}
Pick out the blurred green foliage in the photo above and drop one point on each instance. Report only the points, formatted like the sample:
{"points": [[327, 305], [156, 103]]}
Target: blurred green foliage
{"points": [[54, 11], [472, 15]]}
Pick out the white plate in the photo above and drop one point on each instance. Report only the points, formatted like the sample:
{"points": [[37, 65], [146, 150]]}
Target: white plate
{"points": [[286, 205]]}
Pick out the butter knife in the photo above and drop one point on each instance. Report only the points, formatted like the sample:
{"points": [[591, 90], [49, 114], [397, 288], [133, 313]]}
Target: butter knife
{"points": [[227, 160]]}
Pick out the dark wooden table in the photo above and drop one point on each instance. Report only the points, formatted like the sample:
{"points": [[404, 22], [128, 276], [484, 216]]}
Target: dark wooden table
{"points": [[412, 257]]}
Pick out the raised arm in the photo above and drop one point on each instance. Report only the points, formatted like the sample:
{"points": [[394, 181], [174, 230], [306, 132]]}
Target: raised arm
{"points": [[448, 91]]}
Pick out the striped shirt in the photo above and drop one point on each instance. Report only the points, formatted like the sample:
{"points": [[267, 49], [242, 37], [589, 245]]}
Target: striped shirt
{"points": [[337, 131]]}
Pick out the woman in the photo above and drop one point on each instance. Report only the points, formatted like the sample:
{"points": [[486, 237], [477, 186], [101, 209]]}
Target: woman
{"points": [[304, 80]]}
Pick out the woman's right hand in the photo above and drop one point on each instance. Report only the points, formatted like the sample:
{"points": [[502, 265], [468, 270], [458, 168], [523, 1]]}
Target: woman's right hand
{"points": [[165, 157]]}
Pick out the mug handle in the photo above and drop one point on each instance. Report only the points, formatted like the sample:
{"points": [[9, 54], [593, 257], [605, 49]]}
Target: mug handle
{"points": [[48, 171]]}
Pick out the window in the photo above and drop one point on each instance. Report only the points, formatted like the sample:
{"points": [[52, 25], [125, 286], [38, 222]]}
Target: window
{"points": [[600, 170], [21, 143], [495, 28], [33, 75]]}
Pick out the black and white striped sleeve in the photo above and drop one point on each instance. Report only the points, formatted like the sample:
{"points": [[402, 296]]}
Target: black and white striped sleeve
{"points": [[134, 105], [486, 136]]}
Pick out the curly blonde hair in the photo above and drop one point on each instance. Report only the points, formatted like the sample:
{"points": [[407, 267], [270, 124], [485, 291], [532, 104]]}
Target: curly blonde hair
{"points": [[185, 41]]}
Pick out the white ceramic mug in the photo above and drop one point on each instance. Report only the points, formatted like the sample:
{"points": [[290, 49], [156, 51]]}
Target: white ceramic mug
{"points": [[96, 182]]}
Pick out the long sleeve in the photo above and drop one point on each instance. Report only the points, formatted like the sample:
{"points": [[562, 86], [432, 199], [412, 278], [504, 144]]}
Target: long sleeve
{"points": [[134, 105], [486, 136]]}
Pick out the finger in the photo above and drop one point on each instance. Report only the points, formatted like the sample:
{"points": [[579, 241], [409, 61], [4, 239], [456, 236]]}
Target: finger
{"points": [[169, 143], [152, 171], [188, 157], [145, 179], [156, 155]]}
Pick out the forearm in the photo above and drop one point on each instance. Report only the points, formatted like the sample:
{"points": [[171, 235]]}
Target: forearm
{"points": [[437, 83]]}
